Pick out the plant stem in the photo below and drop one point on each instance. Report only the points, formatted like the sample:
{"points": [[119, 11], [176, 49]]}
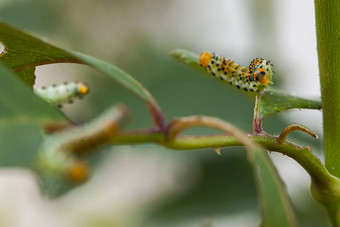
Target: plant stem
{"points": [[332, 214], [257, 119], [327, 14], [179, 124], [302, 155]]}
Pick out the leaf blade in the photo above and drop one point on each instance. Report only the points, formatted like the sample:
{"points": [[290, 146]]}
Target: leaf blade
{"points": [[271, 191], [273, 102], [21, 115], [23, 51], [19, 103], [121, 77]]}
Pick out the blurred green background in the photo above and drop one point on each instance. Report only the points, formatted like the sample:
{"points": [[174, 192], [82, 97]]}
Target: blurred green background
{"points": [[148, 185]]}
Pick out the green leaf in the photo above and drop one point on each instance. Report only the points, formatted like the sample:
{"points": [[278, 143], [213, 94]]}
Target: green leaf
{"points": [[19, 144], [18, 103], [272, 102], [27, 75], [121, 77], [187, 57], [276, 207], [21, 115], [23, 51]]}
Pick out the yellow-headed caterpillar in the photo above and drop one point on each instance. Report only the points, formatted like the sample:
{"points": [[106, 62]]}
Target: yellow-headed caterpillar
{"points": [[62, 93], [255, 78]]}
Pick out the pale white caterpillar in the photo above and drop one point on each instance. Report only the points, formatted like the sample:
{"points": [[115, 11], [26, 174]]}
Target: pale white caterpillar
{"points": [[62, 93]]}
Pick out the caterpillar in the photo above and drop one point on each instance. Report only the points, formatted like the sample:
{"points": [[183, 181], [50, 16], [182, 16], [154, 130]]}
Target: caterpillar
{"points": [[255, 78], [62, 153], [62, 93]]}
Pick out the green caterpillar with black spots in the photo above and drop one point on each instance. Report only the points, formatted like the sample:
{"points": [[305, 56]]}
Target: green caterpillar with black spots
{"points": [[255, 78]]}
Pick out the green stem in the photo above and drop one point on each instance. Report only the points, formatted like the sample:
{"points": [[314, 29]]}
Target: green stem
{"points": [[302, 155], [180, 124], [327, 14]]}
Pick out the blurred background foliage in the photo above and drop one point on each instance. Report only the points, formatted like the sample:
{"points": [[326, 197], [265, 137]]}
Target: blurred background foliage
{"points": [[148, 185]]}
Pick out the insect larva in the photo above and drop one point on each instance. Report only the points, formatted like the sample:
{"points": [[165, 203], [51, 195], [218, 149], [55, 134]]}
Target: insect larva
{"points": [[62, 93], [255, 78]]}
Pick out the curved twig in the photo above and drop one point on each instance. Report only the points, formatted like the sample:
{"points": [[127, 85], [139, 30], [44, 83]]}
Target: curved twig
{"points": [[293, 127]]}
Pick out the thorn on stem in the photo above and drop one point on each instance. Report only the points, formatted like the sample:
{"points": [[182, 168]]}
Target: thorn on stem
{"points": [[218, 150]]}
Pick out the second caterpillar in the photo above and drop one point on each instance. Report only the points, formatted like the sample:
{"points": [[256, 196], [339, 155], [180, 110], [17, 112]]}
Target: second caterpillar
{"points": [[62, 93]]}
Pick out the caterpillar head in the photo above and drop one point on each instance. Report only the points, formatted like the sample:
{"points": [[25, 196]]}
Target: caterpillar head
{"points": [[262, 71], [83, 88], [205, 58]]}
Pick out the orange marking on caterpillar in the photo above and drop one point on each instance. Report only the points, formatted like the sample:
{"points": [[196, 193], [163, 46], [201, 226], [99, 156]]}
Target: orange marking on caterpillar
{"points": [[78, 172], [205, 59]]}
